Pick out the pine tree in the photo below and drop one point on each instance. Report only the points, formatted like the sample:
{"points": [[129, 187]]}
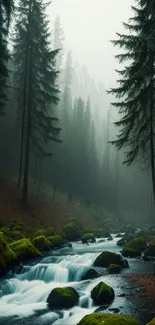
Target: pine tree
{"points": [[6, 8], [58, 43], [137, 86], [35, 78]]}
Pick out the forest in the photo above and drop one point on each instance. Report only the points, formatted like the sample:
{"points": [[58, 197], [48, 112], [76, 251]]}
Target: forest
{"points": [[77, 166]]}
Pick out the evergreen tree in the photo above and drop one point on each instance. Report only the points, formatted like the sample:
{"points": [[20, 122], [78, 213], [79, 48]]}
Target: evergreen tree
{"points": [[35, 76], [137, 86], [58, 43], [6, 8]]}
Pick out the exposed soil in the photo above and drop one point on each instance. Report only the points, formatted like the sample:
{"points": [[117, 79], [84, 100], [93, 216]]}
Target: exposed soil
{"points": [[42, 208]]}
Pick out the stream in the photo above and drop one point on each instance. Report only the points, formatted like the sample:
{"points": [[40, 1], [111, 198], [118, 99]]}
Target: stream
{"points": [[23, 296]]}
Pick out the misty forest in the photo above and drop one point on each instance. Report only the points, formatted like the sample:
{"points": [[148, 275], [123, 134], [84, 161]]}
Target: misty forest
{"points": [[77, 162]]}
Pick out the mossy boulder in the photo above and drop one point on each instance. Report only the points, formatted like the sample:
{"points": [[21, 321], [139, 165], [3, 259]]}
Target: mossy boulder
{"points": [[55, 241], [39, 232], [6, 231], [76, 222], [88, 238], [102, 294], [62, 298], [125, 238], [114, 268], [25, 250], [71, 231], [106, 258], [152, 322], [16, 235], [50, 231], [90, 274], [137, 243], [130, 252], [8, 258], [42, 243], [107, 319]]}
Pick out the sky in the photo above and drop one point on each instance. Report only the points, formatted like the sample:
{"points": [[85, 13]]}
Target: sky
{"points": [[89, 25]]}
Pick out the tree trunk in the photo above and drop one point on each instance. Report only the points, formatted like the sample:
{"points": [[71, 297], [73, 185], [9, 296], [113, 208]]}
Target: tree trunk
{"points": [[40, 178], [152, 134], [27, 150], [54, 190]]}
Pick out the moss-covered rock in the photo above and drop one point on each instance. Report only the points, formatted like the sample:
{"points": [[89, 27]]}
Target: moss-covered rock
{"points": [[152, 322], [61, 298], [137, 243], [8, 258], [50, 231], [125, 239], [25, 250], [102, 293], [42, 243], [71, 231], [90, 274], [6, 231], [16, 235], [55, 241], [88, 238], [114, 268], [130, 252], [76, 222], [39, 232], [84, 231], [106, 319], [106, 258]]}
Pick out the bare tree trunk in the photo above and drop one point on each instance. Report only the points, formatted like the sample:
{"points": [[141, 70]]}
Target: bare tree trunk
{"points": [[27, 150]]}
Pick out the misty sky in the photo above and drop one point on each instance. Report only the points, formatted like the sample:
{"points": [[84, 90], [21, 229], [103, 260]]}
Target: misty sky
{"points": [[89, 25]]}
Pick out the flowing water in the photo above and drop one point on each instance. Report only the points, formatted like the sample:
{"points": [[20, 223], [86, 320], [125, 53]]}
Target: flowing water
{"points": [[23, 296]]}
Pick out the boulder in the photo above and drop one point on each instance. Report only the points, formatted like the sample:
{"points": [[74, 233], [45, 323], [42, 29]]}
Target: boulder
{"points": [[42, 243], [106, 258], [8, 258], [71, 231], [130, 252], [110, 238], [62, 298], [88, 238], [90, 274], [55, 241], [150, 251], [102, 294], [107, 319], [25, 250], [118, 236], [114, 268]]}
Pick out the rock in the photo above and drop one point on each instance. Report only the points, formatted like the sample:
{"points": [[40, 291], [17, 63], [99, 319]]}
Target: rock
{"points": [[88, 238], [150, 251], [62, 298], [25, 250], [125, 238], [90, 274], [114, 310], [110, 238], [106, 258], [118, 236], [55, 241], [102, 293], [42, 243], [71, 231], [130, 252], [8, 258], [101, 241], [107, 319], [152, 322], [67, 244], [39, 232], [114, 268], [134, 247], [125, 264]]}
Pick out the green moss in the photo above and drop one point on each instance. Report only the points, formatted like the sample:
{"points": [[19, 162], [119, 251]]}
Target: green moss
{"points": [[85, 230], [16, 235], [55, 241], [71, 231], [42, 243], [114, 268], [152, 322], [50, 231], [106, 258], [6, 231], [102, 293], [88, 237], [137, 243], [7, 257], [76, 222], [130, 252], [24, 249], [101, 233], [106, 319], [62, 298], [39, 232]]}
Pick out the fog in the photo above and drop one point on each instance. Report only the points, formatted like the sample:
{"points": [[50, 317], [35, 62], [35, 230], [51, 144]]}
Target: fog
{"points": [[89, 25]]}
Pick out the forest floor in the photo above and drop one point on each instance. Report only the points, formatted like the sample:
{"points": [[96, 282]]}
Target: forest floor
{"points": [[43, 208]]}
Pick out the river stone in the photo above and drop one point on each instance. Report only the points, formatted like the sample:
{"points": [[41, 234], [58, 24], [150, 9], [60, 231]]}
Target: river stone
{"points": [[114, 268], [106, 258], [90, 274], [62, 298], [102, 293], [107, 319], [150, 251]]}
